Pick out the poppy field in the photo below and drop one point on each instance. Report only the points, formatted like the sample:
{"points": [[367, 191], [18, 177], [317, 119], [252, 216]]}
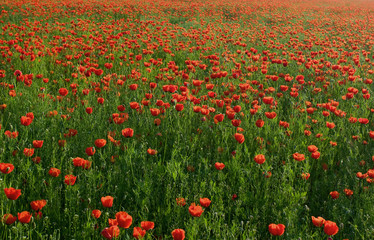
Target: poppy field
{"points": [[126, 119]]}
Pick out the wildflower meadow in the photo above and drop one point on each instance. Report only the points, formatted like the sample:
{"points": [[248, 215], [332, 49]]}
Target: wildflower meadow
{"points": [[180, 119]]}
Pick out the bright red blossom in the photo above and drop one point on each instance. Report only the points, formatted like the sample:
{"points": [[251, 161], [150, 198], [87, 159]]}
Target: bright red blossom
{"points": [[107, 201], [147, 225], [195, 210], [178, 234], [9, 219], [124, 219], [276, 229], [205, 202], [70, 179], [330, 228], [12, 193]]}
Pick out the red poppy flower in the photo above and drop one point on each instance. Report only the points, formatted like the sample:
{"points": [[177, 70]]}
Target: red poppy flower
{"points": [[108, 65], [316, 155], [121, 108], [96, 213], [179, 107], [127, 132], [110, 232], [181, 201], [100, 100], [370, 172], [371, 134], [13, 135], [9, 219], [30, 115], [155, 111], [298, 157], [78, 162], [147, 225], [318, 222], [12, 193], [138, 232], [26, 121], [205, 202], [157, 122], [219, 166], [330, 228], [239, 138], [99, 143], [305, 176], [267, 100], [112, 222], [334, 194], [37, 143], [70, 179], [86, 164], [133, 86], [195, 210], [6, 168], [178, 234], [124, 219], [107, 201], [89, 110], [28, 152], [98, 72], [90, 151], [363, 120], [219, 118], [63, 92], [151, 151], [17, 73], [312, 148], [236, 122], [276, 229], [24, 217], [260, 123], [260, 159], [54, 172], [38, 204], [330, 125], [134, 105], [270, 115], [348, 192]]}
